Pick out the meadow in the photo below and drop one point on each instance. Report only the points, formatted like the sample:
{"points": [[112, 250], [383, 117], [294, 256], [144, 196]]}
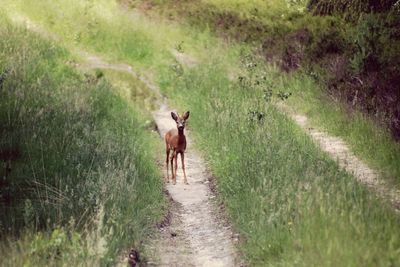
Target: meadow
{"points": [[291, 204], [316, 60], [83, 186]]}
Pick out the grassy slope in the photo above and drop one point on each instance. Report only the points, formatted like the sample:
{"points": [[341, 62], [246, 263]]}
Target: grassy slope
{"points": [[368, 140], [364, 136], [85, 174], [291, 203], [257, 8]]}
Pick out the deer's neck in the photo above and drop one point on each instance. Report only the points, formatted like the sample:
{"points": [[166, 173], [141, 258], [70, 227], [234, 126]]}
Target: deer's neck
{"points": [[180, 133]]}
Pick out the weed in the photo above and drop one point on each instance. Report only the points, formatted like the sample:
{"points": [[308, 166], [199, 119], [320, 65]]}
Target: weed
{"points": [[291, 203], [256, 116], [179, 47], [177, 68], [75, 148], [267, 95], [284, 95], [283, 194]]}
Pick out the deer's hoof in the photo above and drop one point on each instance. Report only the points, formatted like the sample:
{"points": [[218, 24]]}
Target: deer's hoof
{"points": [[174, 182]]}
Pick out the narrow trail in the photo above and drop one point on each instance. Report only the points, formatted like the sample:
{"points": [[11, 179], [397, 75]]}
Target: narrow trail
{"points": [[346, 159], [210, 238], [197, 233]]}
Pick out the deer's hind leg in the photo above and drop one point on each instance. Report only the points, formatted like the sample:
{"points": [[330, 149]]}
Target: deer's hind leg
{"points": [[167, 162], [183, 168]]}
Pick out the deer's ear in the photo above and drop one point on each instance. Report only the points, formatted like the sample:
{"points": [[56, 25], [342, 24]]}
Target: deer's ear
{"points": [[174, 116], [186, 115]]}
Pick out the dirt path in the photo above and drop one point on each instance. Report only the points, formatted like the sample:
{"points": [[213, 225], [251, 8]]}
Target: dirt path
{"points": [[346, 159], [197, 234], [210, 239]]}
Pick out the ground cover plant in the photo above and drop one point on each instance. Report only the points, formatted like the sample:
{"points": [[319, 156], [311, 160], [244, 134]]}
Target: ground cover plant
{"points": [[350, 47], [290, 202], [325, 57], [79, 183]]}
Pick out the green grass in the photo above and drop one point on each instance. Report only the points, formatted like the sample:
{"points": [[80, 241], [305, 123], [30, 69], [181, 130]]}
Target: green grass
{"points": [[133, 91], [259, 9], [371, 141], [368, 140], [291, 203], [84, 187], [108, 29]]}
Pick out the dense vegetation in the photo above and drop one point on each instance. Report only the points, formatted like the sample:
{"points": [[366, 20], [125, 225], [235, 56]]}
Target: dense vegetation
{"points": [[350, 8], [290, 202], [298, 42], [78, 183], [353, 50]]}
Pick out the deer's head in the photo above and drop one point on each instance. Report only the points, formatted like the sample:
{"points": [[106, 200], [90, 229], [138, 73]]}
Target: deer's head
{"points": [[180, 120]]}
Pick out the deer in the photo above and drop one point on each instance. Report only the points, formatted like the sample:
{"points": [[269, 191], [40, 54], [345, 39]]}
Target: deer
{"points": [[175, 141]]}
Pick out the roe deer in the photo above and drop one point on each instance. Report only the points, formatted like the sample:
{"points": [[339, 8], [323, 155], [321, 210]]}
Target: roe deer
{"points": [[175, 140]]}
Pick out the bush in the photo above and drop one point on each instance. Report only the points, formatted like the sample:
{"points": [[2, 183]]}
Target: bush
{"points": [[350, 8], [369, 38], [328, 37]]}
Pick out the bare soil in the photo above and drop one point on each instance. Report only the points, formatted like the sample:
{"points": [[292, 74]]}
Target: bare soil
{"points": [[204, 237], [184, 59]]}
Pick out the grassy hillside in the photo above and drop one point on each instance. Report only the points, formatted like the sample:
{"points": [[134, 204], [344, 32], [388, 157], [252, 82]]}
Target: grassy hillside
{"points": [[320, 60], [291, 203], [79, 183]]}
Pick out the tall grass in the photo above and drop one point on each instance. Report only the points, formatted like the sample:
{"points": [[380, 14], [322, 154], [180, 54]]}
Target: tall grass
{"points": [[366, 137], [104, 27], [292, 204], [259, 9], [84, 184]]}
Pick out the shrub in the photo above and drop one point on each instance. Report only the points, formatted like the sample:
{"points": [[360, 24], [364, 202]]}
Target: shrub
{"points": [[368, 37], [350, 8]]}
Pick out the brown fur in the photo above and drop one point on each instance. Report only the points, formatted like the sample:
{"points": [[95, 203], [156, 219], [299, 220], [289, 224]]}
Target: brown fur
{"points": [[175, 141]]}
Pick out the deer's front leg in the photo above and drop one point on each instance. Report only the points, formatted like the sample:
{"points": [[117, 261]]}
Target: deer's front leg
{"points": [[172, 165], [183, 168]]}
